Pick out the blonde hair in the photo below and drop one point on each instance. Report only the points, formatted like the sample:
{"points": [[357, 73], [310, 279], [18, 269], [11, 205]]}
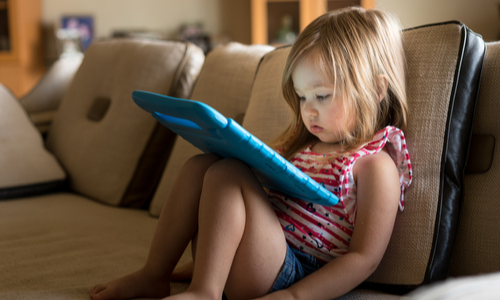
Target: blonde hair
{"points": [[353, 47]]}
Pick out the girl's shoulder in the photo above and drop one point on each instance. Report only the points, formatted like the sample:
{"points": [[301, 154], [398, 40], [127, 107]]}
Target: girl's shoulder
{"points": [[386, 156], [379, 161], [387, 144], [390, 139]]}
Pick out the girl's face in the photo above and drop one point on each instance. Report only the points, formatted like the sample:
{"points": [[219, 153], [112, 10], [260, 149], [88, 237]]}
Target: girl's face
{"points": [[321, 109]]}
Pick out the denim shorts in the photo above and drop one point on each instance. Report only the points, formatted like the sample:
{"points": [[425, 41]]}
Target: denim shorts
{"points": [[297, 265]]}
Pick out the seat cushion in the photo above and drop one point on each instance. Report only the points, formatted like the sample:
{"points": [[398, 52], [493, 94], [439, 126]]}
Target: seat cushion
{"points": [[26, 167], [64, 244], [113, 151], [58, 246], [443, 65], [478, 242], [224, 83]]}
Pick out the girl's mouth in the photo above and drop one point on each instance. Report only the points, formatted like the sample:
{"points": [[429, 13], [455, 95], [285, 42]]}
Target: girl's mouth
{"points": [[316, 129]]}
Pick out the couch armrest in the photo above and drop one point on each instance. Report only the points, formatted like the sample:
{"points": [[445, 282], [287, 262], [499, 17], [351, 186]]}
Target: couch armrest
{"points": [[484, 287], [27, 168], [42, 101]]}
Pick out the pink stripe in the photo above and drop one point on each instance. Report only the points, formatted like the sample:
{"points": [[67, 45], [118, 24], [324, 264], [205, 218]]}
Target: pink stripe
{"points": [[314, 223], [327, 245]]}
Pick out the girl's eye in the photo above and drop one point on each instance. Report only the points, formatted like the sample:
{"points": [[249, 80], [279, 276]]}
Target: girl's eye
{"points": [[322, 97], [301, 99]]}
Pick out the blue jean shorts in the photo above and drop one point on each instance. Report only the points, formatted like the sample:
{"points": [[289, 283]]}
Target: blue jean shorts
{"points": [[297, 265]]}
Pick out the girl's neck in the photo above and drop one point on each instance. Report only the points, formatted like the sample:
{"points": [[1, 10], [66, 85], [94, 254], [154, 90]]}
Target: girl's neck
{"points": [[326, 148]]}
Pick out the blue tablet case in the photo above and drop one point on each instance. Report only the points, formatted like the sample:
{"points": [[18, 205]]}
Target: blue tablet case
{"points": [[210, 131]]}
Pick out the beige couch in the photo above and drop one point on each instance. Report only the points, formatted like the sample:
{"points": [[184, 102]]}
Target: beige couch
{"points": [[80, 207]]}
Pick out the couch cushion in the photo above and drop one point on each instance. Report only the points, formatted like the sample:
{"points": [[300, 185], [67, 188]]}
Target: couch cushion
{"points": [[444, 63], [58, 246], [64, 244], [42, 101], [478, 242], [267, 99], [224, 84], [26, 167], [115, 153]]}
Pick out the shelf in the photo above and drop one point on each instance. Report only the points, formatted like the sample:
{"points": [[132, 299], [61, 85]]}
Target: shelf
{"points": [[338, 4], [283, 21], [5, 25], [268, 16], [21, 49]]}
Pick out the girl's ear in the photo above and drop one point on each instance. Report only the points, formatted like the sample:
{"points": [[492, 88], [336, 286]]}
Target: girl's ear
{"points": [[383, 85]]}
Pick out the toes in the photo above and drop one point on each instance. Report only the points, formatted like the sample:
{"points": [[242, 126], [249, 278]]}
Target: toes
{"points": [[107, 294], [96, 290]]}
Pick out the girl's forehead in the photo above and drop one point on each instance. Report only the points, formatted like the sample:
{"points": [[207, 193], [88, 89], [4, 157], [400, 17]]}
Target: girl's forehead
{"points": [[310, 71]]}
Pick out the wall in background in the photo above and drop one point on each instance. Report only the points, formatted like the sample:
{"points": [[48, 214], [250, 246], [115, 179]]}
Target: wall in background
{"points": [[164, 16], [232, 17], [482, 16]]}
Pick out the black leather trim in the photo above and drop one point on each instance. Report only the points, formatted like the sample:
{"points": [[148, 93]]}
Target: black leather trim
{"points": [[32, 189], [456, 144], [455, 152]]}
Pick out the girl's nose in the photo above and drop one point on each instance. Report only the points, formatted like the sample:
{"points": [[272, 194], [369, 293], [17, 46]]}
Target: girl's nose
{"points": [[310, 109]]}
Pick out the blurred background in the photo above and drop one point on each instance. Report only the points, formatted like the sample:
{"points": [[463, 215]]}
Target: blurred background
{"points": [[35, 33], [233, 17]]}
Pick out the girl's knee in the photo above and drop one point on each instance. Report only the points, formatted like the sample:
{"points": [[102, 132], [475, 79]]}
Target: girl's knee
{"points": [[227, 167], [201, 161]]}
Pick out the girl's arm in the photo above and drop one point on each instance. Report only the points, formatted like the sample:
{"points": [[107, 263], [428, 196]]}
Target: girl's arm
{"points": [[378, 193]]}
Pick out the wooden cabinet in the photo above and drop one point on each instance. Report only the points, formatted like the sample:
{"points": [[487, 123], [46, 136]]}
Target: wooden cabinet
{"points": [[272, 20], [21, 57]]}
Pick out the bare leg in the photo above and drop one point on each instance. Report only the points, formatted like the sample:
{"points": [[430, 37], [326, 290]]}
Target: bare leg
{"points": [[240, 246], [177, 225]]}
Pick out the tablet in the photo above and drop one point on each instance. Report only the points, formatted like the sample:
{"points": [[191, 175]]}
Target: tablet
{"points": [[210, 131]]}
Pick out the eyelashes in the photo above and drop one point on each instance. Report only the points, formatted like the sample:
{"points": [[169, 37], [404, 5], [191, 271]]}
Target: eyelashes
{"points": [[316, 97], [323, 97]]}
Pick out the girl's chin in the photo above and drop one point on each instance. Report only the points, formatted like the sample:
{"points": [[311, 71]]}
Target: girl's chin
{"points": [[321, 136]]}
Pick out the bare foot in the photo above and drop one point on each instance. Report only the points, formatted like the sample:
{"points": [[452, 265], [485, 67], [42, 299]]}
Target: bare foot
{"points": [[134, 285]]}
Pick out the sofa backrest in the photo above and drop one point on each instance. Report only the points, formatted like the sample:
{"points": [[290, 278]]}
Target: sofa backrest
{"points": [[444, 64], [111, 149], [478, 242], [224, 83]]}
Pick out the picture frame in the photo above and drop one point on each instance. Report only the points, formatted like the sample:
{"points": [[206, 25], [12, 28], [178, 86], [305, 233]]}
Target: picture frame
{"points": [[80, 27]]}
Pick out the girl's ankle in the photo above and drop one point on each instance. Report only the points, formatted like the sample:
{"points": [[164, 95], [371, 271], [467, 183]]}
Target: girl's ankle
{"points": [[154, 274]]}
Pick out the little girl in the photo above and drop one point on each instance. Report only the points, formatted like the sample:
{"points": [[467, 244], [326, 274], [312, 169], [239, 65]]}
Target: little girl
{"points": [[344, 81]]}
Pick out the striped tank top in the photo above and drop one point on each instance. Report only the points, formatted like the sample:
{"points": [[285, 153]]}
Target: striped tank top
{"points": [[325, 231]]}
